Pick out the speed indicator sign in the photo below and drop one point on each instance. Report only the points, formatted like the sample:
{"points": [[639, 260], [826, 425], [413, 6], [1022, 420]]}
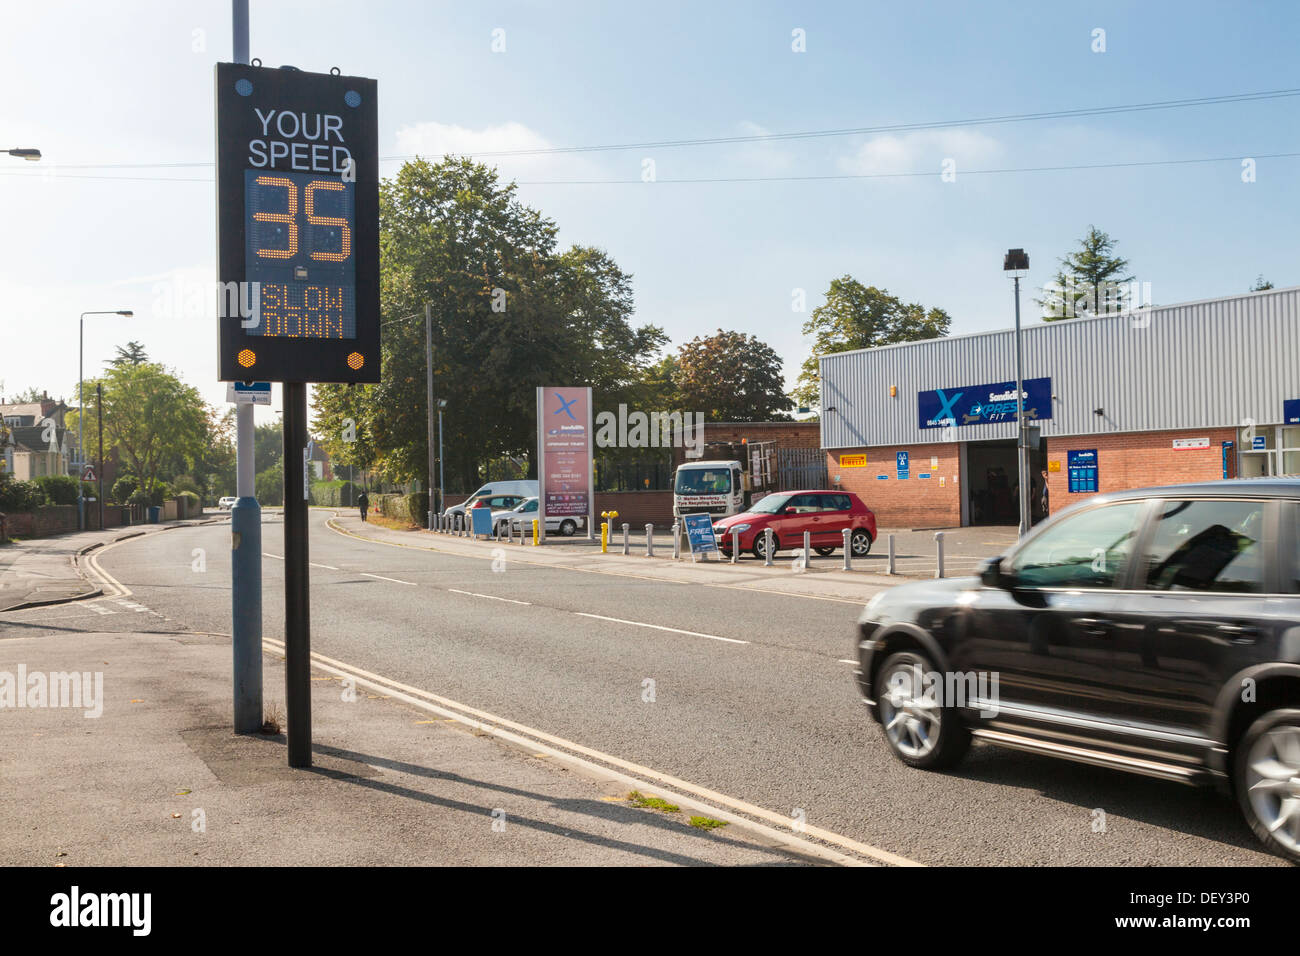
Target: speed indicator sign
{"points": [[297, 226]]}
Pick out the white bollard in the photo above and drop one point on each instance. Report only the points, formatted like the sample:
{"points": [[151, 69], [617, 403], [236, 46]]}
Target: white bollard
{"points": [[807, 549], [938, 537], [649, 540], [627, 545], [848, 556], [735, 546], [677, 540], [892, 554], [767, 551]]}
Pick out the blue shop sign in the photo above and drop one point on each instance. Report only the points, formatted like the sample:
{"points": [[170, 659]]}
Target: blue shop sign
{"points": [[1291, 411], [1082, 467], [983, 404]]}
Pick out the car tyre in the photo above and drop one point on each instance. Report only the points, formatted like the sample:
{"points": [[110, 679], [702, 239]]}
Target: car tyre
{"points": [[860, 543], [919, 730], [568, 527], [1266, 777], [759, 540], [825, 552]]}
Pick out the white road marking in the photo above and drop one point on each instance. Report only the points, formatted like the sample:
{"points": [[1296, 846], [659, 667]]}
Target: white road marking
{"points": [[490, 597], [327, 567], [100, 609], [660, 627], [845, 660], [394, 580], [268, 554], [573, 753]]}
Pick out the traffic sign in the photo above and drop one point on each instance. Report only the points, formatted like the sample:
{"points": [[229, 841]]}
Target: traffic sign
{"points": [[248, 393], [88, 474], [297, 225]]}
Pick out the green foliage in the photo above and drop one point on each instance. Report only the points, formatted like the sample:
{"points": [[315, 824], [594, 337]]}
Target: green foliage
{"points": [[509, 312], [412, 509], [123, 489], [339, 493], [855, 316], [20, 495], [269, 485], [139, 497], [160, 493], [157, 424], [58, 489], [130, 354], [1089, 281], [1261, 284], [731, 377], [186, 483]]}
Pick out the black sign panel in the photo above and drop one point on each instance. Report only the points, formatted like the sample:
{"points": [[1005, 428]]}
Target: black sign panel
{"points": [[297, 226]]}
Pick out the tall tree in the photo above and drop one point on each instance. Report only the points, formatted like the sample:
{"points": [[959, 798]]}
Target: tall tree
{"points": [[150, 417], [855, 316], [731, 377], [130, 354], [510, 312], [1261, 284], [1089, 281]]}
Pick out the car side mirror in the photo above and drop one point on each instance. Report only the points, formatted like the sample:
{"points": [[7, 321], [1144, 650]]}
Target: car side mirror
{"points": [[992, 574]]}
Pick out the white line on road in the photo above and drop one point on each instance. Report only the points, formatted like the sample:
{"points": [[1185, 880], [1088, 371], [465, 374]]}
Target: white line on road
{"points": [[328, 567], [394, 580], [845, 660], [490, 597], [688, 794], [660, 627], [268, 554]]}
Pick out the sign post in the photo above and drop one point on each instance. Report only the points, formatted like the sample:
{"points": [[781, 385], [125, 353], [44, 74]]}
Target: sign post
{"points": [[564, 460], [298, 268]]}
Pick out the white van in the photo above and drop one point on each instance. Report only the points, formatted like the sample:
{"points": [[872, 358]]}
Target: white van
{"points": [[524, 489]]}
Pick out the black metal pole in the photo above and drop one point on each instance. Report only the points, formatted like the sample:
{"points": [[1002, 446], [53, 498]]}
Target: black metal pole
{"points": [[297, 616], [99, 407]]}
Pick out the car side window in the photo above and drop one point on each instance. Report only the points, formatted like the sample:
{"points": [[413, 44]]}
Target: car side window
{"points": [[802, 504], [1087, 550], [1207, 546]]}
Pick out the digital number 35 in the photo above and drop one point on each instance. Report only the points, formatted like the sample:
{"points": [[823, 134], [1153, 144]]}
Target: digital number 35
{"points": [[290, 218]]}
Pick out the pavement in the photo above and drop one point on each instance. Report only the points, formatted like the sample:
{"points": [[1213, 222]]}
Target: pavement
{"points": [[158, 778]]}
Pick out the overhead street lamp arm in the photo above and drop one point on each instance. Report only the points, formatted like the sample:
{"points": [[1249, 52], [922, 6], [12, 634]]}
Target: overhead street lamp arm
{"points": [[31, 155]]}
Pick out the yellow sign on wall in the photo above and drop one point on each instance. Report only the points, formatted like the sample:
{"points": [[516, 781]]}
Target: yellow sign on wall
{"points": [[1053, 466], [853, 461]]}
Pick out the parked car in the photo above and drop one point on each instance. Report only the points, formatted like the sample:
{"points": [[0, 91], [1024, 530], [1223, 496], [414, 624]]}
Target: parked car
{"points": [[824, 514], [226, 502], [1155, 631], [519, 490], [523, 515]]}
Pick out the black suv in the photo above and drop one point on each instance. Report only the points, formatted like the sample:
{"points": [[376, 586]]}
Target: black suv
{"points": [[1155, 631]]}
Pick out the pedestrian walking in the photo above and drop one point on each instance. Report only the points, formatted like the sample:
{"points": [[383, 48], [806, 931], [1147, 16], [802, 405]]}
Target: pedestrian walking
{"points": [[364, 504]]}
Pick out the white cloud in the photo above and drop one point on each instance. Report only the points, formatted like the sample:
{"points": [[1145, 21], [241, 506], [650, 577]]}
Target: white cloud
{"points": [[433, 140], [921, 151]]}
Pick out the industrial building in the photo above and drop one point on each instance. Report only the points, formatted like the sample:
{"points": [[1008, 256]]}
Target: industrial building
{"points": [[925, 431]]}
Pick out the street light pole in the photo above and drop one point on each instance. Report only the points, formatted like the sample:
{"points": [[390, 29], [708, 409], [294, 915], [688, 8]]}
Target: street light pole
{"points": [[1016, 261], [81, 404], [428, 376], [99, 472], [442, 403]]}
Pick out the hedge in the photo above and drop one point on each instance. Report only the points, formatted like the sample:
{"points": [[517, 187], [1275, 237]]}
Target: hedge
{"points": [[409, 508], [339, 493], [62, 489], [21, 495]]}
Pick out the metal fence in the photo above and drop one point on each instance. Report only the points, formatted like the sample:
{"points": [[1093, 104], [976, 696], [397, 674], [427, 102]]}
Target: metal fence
{"points": [[801, 468]]}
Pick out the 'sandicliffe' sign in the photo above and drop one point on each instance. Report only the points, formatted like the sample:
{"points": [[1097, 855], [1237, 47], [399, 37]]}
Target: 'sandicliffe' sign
{"points": [[983, 404]]}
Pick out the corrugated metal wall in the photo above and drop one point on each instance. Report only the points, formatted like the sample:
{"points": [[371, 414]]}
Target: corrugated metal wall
{"points": [[1198, 365]]}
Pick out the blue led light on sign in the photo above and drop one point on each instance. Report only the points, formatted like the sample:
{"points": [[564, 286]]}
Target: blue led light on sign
{"points": [[352, 98], [244, 87]]}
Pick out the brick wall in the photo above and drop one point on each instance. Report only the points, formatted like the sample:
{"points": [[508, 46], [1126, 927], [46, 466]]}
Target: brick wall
{"points": [[914, 503], [1137, 460], [637, 508]]}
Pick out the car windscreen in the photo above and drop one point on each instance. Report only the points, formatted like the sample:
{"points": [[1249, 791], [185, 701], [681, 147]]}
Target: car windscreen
{"points": [[703, 481], [769, 504]]}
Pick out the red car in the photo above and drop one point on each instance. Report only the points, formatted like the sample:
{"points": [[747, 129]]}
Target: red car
{"points": [[824, 514]]}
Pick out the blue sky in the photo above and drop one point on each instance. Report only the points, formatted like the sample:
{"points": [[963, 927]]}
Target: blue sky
{"points": [[91, 85]]}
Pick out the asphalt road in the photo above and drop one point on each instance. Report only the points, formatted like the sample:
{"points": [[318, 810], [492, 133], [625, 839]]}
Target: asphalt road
{"points": [[775, 721]]}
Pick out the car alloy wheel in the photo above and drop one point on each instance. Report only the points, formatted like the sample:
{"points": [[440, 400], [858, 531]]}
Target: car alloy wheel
{"points": [[860, 543], [1268, 780], [910, 715], [568, 528], [920, 730], [760, 546]]}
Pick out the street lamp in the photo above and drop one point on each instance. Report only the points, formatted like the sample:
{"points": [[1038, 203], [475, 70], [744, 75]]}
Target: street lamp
{"points": [[81, 405], [31, 155], [1016, 262], [442, 403]]}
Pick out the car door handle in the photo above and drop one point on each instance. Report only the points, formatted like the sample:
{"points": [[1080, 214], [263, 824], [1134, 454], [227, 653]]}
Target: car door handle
{"points": [[1093, 626], [1240, 633]]}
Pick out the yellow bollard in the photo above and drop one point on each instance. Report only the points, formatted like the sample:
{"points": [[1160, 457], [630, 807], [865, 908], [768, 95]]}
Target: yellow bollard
{"points": [[535, 533], [604, 537]]}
